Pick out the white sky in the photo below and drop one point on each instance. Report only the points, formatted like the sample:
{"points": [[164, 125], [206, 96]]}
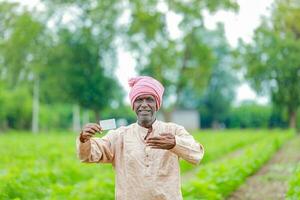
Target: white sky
{"points": [[240, 25]]}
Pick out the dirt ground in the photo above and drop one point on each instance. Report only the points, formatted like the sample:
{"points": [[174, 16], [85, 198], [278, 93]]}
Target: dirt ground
{"points": [[271, 181]]}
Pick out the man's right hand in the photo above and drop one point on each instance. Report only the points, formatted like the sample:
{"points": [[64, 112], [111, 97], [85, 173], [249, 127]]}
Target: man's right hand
{"points": [[88, 131]]}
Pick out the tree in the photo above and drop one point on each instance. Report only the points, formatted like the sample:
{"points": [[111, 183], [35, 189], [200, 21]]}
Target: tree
{"points": [[22, 51], [179, 62], [82, 59], [81, 75], [272, 60], [218, 96]]}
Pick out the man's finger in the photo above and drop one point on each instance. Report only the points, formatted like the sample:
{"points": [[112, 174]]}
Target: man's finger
{"points": [[94, 128], [89, 135], [155, 143], [154, 138], [97, 128], [157, 147], [89, 130], [166, 134]]}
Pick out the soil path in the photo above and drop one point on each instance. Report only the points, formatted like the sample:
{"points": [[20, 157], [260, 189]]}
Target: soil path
{"points": [[271, 181]]}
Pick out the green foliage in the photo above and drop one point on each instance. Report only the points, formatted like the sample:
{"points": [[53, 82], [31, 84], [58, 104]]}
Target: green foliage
{"points": [[249, 115], [45, 166], [293, 167], [120, 112], [15, 108], [76, 64], [21, 49], [179, 63], [293, 192], [55, 117], [209, 139], [74, 61], [82, 62], [273, 61], [214, 105], [218, 179]]}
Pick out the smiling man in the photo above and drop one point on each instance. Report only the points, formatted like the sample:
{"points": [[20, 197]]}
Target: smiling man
{"points": [[145, 154]]}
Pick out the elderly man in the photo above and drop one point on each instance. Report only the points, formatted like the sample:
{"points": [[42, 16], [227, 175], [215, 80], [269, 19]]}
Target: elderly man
{"points": [[144, 154]]}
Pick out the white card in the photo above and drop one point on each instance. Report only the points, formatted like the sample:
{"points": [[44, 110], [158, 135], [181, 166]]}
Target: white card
{"points": [[107, 124]]}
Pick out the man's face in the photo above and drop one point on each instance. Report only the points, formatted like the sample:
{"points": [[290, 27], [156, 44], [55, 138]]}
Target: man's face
{"points": [[145, 108]]}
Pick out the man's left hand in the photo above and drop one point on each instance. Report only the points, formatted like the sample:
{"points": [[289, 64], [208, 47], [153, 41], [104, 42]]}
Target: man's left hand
{"points": [[163, 141]]}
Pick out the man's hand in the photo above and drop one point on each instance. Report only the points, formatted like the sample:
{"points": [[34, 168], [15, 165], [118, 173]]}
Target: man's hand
{"points": [[88, 131], [163, 141]]}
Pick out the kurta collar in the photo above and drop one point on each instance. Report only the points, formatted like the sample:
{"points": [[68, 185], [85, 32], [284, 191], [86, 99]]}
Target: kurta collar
{"points": [[145, 130]]}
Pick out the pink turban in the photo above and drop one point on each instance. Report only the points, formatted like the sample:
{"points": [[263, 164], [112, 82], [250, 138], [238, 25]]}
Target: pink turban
{"points": [[143, 85]]}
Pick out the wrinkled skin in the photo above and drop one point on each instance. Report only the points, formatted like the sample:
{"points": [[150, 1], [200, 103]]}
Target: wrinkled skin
{"points": [[144, 107]]}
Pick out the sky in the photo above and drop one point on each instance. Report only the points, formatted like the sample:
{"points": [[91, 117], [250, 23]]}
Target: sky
{"points": [[237, 25]]}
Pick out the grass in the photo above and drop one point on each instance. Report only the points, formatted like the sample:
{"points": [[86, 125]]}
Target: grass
{"points": [[45, 166]]}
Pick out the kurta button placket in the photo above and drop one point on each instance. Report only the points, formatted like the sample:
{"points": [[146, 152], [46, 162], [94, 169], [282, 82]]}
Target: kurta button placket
{"points": [[147, 151]]}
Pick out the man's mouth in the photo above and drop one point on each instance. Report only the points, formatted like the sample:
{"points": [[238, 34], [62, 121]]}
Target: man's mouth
{"points": [[144, 111]]}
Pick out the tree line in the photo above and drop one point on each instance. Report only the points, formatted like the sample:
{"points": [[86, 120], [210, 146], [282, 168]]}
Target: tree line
{"points": [[58, 61]]}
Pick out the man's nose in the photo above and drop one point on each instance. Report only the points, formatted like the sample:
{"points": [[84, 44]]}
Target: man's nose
{"points": [[144, 103]]}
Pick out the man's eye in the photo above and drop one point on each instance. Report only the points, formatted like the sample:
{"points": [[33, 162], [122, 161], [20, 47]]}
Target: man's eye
{"points": [[150, 100]]}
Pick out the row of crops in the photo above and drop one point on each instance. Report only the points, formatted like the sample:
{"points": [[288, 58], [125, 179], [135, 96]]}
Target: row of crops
{"points": [[218, 144], [293, 192], [45, 166], [216, 180], [294, 185]]}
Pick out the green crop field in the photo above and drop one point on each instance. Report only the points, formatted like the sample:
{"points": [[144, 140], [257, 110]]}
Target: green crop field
{"points": [[294, 185], [45, 166]]}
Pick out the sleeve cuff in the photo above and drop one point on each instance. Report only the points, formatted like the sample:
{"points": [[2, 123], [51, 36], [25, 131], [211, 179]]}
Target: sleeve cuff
{"points": [[83, 149], [179, 147]]}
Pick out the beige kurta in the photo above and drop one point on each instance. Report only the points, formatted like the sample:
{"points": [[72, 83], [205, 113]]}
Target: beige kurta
{"points": [[143, 173]]}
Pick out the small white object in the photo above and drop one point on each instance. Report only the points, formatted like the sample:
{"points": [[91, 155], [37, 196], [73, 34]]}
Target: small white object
{"points": [[107, 124]]}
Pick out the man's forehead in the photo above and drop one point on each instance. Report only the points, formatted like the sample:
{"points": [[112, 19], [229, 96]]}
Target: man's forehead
{"points": [[145, 96]]}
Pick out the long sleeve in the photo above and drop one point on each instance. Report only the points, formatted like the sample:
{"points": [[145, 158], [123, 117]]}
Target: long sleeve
{"points": [[97, 149], [186, 147]]}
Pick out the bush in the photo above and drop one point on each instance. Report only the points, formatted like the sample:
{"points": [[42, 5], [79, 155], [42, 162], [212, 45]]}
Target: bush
{"points": [[249, 115], [16, 109]]}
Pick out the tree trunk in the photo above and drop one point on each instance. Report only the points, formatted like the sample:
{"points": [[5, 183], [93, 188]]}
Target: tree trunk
{"points": [[76, 118], [35, 106], [97, 115], [85, 117], [292, 119], [215, 124]]}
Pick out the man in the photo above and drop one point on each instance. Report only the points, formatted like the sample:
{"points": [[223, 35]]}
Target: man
{"points": [[144, 154]]}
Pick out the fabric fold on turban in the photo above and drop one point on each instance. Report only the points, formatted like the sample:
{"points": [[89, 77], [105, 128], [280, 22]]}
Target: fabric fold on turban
{"points": [[145, 85]]}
